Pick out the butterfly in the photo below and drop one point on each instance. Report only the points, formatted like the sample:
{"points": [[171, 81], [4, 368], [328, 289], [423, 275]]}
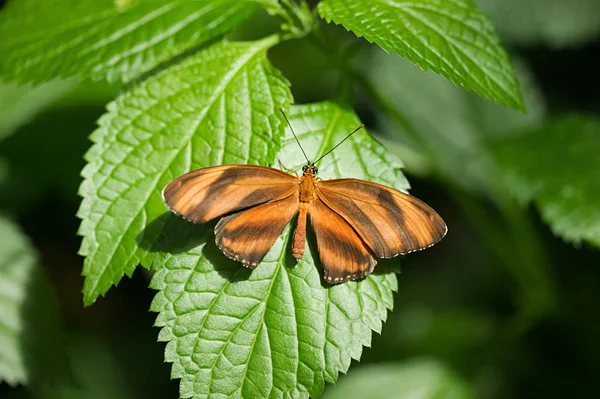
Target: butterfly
{"points": [[356, 222]]}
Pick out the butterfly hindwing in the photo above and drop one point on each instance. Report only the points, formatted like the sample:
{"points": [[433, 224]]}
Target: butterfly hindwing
{"points": [[247, 236], [207, 193], [389, 221], [344, 256]]}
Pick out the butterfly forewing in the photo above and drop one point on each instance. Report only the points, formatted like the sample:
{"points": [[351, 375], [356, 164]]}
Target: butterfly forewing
{"points": [[205, 194], [344, 256], [390, 222], [247, 236]]}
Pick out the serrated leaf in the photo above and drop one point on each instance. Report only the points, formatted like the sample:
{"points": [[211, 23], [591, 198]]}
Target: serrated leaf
{"points": [[420, 378], [450, 37], [276, 331], [20, 103], [217, 106], [30, 340], [106, 39], [526, 22], [557, 168]]}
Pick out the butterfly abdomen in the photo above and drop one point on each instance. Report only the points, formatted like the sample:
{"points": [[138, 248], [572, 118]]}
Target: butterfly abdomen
{"points": [[300, 233]]}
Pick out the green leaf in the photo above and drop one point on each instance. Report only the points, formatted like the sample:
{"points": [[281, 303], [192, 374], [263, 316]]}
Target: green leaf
{"points": [[20, 103], [420, 378], [526, 22], [218, 106], [30, 334], [360, 157], [275, 331], [557, 168], [106, 39], [450, 37]]}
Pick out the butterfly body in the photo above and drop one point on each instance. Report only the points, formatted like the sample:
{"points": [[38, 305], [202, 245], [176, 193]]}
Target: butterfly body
{"points": [[307, 184], [355, 222]]}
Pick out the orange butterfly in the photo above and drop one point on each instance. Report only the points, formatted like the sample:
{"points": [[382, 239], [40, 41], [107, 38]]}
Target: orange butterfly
{"points": [[355, 222]]}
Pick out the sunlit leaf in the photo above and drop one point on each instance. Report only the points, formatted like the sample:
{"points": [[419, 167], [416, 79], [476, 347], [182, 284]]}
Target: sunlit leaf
{"points": [[276, 331], [106, 39], [450, 37], [215, 107]]}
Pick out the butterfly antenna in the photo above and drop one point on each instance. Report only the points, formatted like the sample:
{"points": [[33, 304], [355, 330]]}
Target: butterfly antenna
{"points": [[296, 137], [340, 143]]}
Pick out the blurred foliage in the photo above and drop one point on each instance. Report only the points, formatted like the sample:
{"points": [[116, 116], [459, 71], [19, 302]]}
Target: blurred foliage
{"points": [[554, 23], [505, 306], [566, 198], [27, 306], [413, 378]]}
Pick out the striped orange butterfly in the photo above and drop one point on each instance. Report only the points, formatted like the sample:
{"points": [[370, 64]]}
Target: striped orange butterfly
{"points": [[356, 222]]}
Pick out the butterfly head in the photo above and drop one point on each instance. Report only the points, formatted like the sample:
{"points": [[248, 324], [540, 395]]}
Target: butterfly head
{"points": [[309, 169]]}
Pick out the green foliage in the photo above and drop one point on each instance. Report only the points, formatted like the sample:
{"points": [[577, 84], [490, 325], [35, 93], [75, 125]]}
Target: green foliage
{"points": [[275, 331], [189, 97], [176, 121], [106, 39], [415, 379], [30, 337], [527, 22], [450, 37], [556, 167]]}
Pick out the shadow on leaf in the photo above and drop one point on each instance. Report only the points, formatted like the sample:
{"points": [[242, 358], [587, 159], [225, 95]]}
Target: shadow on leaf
{"points": [[170, 233], [175, 235]]}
